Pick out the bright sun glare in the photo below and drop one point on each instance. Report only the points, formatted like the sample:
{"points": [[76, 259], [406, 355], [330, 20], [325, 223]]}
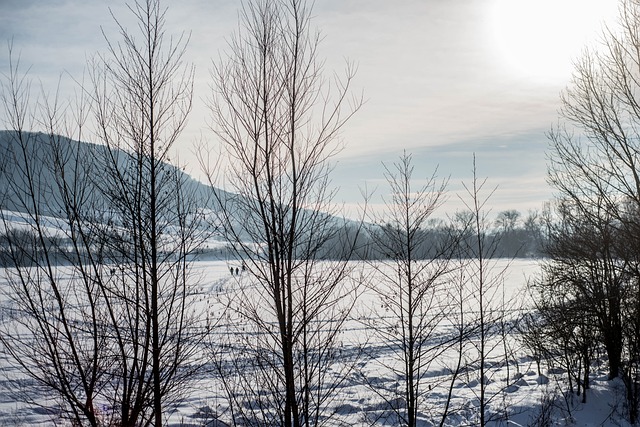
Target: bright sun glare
{"points": [[539, 39]]}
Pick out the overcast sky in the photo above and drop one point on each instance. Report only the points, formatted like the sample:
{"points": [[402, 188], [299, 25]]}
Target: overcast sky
{"points": [[442, 79]]}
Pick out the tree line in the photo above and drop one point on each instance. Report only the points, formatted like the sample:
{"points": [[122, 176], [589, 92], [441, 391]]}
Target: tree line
{"points": [[520, 240]]}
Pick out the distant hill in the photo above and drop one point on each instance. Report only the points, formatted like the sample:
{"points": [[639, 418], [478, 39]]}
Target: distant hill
{"points": [[42, 153], [38, 155]]}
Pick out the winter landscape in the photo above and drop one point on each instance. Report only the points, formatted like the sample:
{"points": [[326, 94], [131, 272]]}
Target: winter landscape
{"points": [[242, 287], [519, 394]]}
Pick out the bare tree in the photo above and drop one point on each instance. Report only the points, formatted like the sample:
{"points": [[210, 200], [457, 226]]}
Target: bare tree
{"points": [[410, 282], [59, 355], [563, 330], [511, 239], [115, 326], [507, 220], [142, 96], [278, 120], [483, 280], [595, 158]]}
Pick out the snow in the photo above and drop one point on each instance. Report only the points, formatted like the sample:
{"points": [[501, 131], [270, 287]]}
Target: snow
{"points": [[519, 396]]}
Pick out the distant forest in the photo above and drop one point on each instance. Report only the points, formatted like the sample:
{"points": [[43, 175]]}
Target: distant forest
{"points": [[510, 235]]}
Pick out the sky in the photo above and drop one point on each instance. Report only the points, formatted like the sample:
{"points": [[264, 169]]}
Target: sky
{"points": [[443, 80]]}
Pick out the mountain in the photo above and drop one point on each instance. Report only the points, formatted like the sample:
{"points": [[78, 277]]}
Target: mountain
{"points": [[35, 159]]}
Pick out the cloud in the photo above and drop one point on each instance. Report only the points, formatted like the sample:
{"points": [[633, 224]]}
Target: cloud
{"points": [[512, 164], [433, 83]]}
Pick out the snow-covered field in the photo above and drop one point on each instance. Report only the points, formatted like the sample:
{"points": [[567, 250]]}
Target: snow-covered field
{"points": [[518, 395]]}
